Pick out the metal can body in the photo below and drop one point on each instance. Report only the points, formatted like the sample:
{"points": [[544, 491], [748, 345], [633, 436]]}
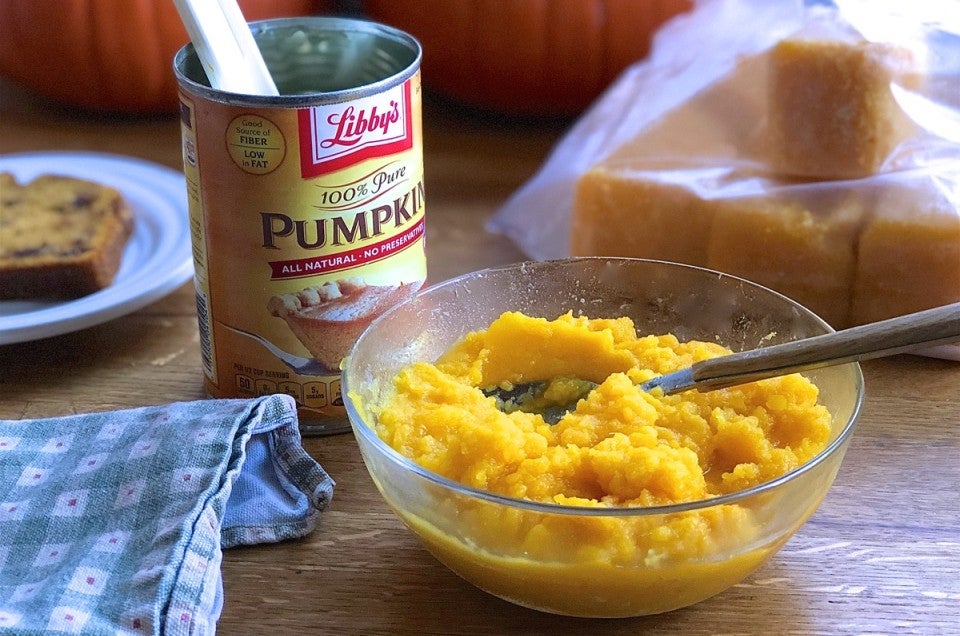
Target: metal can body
{"points": [[307, 209]]}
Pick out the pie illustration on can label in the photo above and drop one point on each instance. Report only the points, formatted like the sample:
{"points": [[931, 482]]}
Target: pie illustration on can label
{"points": [[329, 318]]}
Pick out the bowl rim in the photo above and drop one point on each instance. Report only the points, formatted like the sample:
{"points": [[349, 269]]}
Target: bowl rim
{"points": [[361, 428]]}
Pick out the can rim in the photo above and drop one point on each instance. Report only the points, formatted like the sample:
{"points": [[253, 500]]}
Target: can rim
{"points": [[188, 51]]}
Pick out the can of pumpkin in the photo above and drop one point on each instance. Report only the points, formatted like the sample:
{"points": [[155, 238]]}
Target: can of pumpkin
{"points": [[306, 209]]}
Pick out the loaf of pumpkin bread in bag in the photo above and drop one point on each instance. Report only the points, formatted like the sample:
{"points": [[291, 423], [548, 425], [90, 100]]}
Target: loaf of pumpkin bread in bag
{"points": [[60, 237], [811, 219]]}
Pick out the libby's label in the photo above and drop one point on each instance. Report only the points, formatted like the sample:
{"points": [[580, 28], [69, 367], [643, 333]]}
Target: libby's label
{"points": [[338, 135]]}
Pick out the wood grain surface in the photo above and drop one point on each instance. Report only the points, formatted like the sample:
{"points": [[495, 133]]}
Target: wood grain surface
{"points": [[880, 556]]}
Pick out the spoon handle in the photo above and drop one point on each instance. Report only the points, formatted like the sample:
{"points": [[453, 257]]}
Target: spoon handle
{"points": [[930, 327]]}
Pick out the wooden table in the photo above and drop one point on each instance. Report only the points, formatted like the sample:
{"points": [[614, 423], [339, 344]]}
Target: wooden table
{"points": [[881, 556]]}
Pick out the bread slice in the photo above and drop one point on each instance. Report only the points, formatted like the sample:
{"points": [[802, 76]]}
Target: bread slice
{"points": [[832, 113], [60, 237], [909, 253], [626, 213], [803, 249], [329, 318]]}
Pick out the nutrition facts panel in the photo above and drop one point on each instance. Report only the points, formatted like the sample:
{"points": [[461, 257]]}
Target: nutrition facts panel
{"points": [[315, 394]]}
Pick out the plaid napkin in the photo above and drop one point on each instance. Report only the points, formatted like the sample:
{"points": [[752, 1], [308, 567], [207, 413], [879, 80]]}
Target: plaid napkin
{"points": [[113, 523]]}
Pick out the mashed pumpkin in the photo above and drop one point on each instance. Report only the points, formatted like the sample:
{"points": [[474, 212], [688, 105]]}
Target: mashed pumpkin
{"points": [[619, 447]]}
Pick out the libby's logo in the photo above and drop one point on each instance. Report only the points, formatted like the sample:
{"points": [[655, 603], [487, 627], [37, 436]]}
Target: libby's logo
{"points": [[335, 136], [351, 125]]}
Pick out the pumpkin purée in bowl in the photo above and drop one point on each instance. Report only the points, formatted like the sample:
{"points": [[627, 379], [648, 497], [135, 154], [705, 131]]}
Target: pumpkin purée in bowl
{"points": [[631, 504]]}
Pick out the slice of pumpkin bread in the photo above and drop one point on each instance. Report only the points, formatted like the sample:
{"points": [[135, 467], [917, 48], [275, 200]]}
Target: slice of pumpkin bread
{"points": [[60, 237]]}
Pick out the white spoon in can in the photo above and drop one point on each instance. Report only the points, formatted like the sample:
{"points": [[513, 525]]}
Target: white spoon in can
{"points": [[226, 46]]}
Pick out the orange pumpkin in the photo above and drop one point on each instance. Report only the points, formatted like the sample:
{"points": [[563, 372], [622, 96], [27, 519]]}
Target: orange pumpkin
{"points": [[527, 57], [113, 55]]}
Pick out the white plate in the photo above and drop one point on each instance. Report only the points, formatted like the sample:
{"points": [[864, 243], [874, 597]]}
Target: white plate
{"points": [[157, 258]]}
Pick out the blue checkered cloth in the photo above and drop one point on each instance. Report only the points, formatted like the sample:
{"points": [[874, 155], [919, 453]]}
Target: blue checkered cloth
{"points": [[114, 523]]}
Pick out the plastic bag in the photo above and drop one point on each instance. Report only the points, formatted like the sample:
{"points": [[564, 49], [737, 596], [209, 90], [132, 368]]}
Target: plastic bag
{"points": [[700, 137]]}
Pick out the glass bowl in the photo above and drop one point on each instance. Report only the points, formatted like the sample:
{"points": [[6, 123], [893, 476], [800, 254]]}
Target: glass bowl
{"points": [[552, 557]]}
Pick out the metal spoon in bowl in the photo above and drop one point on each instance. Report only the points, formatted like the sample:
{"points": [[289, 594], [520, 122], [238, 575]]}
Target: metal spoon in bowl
{"points": [[931, 327]]}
